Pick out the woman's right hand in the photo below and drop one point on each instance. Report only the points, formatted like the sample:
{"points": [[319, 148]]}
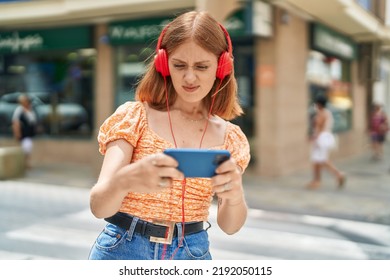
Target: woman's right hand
{"points": [[150, 174], [118, 177]]}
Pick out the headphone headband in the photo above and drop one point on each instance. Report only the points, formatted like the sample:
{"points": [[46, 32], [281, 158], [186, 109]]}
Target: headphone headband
{"points": [[225, 61], [158, 47], [227, 36], [229, 41]]}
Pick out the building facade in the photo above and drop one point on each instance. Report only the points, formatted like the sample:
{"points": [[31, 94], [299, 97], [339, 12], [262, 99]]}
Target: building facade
{"points": [[80, 59]]}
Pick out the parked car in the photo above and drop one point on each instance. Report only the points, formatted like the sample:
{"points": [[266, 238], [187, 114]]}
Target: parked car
{"points": [[54, 119]]}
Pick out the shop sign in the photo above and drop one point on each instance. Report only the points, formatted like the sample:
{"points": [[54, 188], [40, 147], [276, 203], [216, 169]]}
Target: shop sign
{"points": [[235, 24], [331, 42], [15, 43], [136, 31], [147, 30], [49, 39], [253, 19]]}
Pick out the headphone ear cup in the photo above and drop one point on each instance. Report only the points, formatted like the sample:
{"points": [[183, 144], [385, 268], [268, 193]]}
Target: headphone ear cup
{"points": [[161, 62], [225, 66]]}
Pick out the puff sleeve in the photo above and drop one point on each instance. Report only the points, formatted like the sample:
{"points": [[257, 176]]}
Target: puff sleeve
{"points": [[238, 145], [127, 122]]}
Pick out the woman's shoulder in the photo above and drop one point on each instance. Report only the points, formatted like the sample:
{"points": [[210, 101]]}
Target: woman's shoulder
{"points": [[129, 113], [234, 133], [127, 122], [237, 143], [130, 106], [131, 110]]}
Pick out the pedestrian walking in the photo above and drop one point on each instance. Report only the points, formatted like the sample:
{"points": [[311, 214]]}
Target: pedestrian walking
{"points": [[322, 142], [184, 100], [24, 126], [379, 126]]}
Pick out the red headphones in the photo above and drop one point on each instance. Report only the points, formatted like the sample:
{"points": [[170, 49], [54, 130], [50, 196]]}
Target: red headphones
{"points": [[225, 61]]}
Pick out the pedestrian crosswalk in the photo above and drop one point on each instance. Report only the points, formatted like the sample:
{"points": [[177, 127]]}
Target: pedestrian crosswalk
{"points": [[49, 234], [282, 237], [287, 236], [265, 236]]}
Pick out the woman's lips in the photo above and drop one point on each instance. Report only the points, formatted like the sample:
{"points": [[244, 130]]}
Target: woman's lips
{"points": [[190, 88]]}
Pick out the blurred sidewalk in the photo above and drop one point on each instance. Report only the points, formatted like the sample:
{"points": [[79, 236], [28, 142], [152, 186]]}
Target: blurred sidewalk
{"points": [[365, 197]]}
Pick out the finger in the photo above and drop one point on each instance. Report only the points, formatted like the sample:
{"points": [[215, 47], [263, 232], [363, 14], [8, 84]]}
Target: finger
{"points": [[224, 188], [220, 180], [226, 166], [161, 159], [227, 187], [170, 172]]}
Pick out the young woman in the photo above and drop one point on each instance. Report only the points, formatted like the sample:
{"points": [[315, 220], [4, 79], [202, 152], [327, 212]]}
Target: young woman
{"points": [[184, 100]]}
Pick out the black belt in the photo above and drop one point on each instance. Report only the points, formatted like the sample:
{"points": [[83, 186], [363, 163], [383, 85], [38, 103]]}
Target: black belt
{"points": [[161, 232]]}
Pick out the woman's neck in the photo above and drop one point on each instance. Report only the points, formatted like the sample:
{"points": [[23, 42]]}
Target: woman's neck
{"points": [[191, 111]]}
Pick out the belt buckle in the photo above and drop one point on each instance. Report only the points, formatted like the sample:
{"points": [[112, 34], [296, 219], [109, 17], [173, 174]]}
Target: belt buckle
{"points": [[170, 227]]}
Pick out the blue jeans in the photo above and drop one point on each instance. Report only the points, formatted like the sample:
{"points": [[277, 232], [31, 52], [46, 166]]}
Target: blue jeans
{"points": [[115, 243]]}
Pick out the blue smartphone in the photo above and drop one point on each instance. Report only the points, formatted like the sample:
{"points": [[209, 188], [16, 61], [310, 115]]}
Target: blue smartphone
{"points": [[199, 163]]}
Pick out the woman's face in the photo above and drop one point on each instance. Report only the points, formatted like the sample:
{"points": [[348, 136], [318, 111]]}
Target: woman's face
{"points": [[192, 70]]}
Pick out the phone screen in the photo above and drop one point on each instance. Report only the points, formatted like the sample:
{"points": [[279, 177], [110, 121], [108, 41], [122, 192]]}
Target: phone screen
{"points": [[198, 162]]}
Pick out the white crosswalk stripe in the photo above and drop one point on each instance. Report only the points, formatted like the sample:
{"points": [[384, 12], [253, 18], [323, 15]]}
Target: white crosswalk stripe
{"points": [[54, 235], [7, 255], [326, 241], [266, 236]]}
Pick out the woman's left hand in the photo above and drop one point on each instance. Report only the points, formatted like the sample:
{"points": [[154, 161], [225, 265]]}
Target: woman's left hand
{"points": [[227, 184]]}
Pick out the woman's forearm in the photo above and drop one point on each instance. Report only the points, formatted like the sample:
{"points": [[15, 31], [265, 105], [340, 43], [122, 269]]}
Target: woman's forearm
{"points": [[106, 198], [232, 215]]}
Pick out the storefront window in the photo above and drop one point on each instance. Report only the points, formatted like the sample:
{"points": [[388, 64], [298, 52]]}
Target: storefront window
{"points": [[60, 85], [330, 76], [130, 65], [243, 68]]}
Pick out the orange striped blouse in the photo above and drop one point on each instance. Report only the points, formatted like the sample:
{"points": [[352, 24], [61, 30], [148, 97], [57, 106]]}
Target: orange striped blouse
{"points": [[129, 122]]}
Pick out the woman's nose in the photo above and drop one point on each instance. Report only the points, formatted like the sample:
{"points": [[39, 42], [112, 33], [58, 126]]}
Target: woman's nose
{"points": [[190, 75]]}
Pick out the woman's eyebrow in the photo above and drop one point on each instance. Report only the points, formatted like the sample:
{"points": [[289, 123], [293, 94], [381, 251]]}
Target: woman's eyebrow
{"points": [[179, 60]]}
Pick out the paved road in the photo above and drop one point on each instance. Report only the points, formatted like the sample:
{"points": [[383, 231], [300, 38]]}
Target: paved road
{"points": [[42, 221]]}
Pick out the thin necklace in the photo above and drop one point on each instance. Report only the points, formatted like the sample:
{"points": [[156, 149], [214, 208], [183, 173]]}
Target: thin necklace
{"points": [[189, 119]]}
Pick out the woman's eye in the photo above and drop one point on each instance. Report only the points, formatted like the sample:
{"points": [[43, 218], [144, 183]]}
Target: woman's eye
{"points": [[202, 67], [196, 67]]}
